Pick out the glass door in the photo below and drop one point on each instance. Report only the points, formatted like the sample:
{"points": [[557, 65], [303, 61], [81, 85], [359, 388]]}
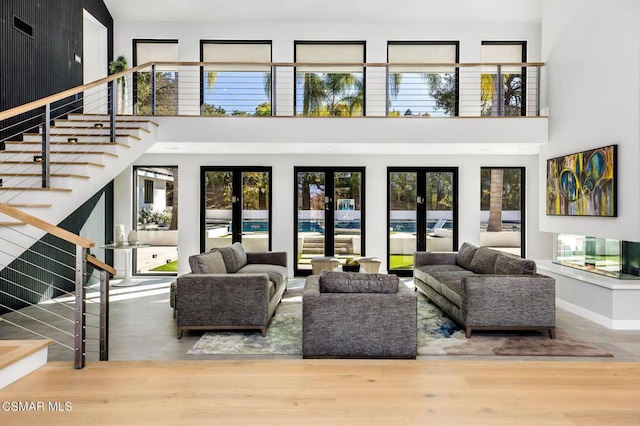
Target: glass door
{"points": [[156, 218], [236, 207], [329, 214], [422, 214], [502, 209]]}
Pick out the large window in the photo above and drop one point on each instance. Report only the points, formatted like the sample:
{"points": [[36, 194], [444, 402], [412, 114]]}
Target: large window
{"points": [[422, 213], [502, 87], [423, 91], [502, 209], [323, 87], [165, 101], [156, 216], [233, 85]]}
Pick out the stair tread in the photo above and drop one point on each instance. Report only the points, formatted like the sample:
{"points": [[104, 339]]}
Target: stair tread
{"points": [[62, 152], [79, 143], [12, 351], [69, 175], [107, 118], [28, 205], [118, 135], [60, 163], [123, 118], [28, 188], [53, 128]]}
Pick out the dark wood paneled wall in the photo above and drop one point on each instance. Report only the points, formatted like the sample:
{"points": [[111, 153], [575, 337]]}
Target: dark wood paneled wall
{"points": [[41, 61], [34, 64], [33, 67]]}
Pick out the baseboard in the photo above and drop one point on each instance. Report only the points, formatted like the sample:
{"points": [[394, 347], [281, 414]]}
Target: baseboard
{"points": [[599, 319], [584, 313]]}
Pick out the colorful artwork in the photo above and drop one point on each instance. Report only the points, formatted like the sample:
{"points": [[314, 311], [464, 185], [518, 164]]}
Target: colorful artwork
{"points": [[583, 184]]}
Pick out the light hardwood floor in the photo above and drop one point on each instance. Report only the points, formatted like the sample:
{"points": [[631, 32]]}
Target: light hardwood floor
{"points": [[336, 392], [151, 380]]}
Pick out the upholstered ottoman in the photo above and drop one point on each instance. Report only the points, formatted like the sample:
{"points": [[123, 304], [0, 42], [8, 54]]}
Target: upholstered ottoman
{"points": [[354, 315], [319, 264]]}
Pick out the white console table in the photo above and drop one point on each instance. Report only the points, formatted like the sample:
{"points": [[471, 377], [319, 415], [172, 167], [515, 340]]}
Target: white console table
{"points": [[607, 301]]}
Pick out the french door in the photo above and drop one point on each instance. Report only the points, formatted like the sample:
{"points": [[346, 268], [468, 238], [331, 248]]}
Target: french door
{"points": [[236, 207], [422, 213], [329, 216]]}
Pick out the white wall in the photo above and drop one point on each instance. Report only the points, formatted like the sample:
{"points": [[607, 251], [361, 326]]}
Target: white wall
{"points": [[538, 244], [592, 88], [376, 36], [283, 35]]}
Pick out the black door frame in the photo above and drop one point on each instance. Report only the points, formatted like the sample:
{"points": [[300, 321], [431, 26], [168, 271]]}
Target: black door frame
{"points": [[329, 184], [236, 189], [421, 209], [523, 199]]}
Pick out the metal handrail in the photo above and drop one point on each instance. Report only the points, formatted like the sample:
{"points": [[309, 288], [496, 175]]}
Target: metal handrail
{"points": [[82, 261]]}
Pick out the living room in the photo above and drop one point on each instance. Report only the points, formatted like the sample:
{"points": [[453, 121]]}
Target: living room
{"points": [[582, 108]]}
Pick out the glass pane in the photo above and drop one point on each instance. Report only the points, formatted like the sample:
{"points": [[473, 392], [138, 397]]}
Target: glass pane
{"points": [[501, 101], [329, 94], [347, 214], [218, 209], [157, 220], [414, 94], [500, 209], [255, 211], [439, 214], [402, 216], [237, 93], [311, 224], [166, 93]]}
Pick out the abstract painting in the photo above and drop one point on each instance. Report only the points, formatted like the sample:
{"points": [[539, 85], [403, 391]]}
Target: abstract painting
{"points": [[583, 184]]}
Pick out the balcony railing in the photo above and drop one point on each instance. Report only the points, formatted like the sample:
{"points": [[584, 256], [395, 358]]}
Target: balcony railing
{"points": [[336, 90]]}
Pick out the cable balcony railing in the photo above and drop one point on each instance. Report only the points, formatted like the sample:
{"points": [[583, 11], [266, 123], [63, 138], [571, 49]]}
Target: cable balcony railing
{"points": [[52, 287], [337, 90]]}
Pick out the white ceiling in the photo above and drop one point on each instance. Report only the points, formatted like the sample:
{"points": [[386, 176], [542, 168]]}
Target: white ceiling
{"points": [[297, 11]]}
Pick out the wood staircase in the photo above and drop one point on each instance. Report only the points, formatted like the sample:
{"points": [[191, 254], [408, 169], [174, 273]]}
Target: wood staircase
{"points": [[80, 149]]}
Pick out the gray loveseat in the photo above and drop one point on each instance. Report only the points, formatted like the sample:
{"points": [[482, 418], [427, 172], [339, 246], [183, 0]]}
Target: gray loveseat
{"points": [[482, 288], [354, 315], [229, 288]]}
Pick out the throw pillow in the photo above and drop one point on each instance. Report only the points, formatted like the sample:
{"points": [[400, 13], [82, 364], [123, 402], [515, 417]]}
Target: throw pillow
{"points": [[207, 263], [465, 255], [228, 257], [240, 255], [511, 265], [354, 282], [484, 261]]}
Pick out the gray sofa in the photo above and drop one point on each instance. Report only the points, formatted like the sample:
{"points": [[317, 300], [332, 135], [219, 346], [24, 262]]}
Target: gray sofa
{"points": [[229, 288], [354, 315], [482, 288]]}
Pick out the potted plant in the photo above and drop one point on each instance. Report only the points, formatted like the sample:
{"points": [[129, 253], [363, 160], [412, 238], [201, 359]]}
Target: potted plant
{"points": [[351, 265], [120, 65]]}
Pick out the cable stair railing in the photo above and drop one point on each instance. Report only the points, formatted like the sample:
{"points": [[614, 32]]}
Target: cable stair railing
{"points": [[55, 289], [57, 143]]}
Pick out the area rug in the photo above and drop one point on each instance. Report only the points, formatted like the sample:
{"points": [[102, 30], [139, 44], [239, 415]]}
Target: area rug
{"points": [[437, 335]]}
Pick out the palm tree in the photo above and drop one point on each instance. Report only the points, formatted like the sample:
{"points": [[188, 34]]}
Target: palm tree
{"points": [[332, 94], [495, 201]]}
